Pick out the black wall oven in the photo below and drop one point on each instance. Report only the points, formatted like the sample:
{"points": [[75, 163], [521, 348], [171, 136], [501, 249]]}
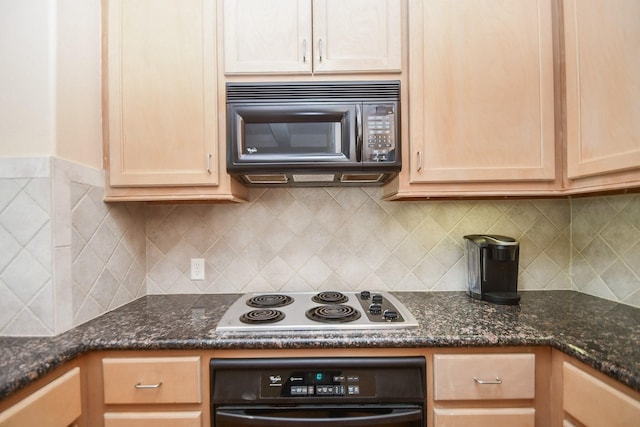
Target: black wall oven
{"points": [[331, 392], [313, 133]]}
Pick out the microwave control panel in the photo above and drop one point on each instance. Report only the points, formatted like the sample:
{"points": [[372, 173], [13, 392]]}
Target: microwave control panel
{"points": [[379, 133]]}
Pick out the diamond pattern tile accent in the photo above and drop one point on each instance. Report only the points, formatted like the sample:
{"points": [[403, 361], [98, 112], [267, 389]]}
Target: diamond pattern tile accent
{"points": [[606, 247], [109, 264], [347, 238], [25, 257]]}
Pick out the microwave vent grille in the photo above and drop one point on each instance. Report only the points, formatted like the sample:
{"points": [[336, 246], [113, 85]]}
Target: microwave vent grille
{"points": [[301, 91]]}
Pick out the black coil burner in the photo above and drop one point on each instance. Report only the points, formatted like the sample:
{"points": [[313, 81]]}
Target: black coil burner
{"points": [[335, 313], [269, 301], [262, 316], [330, 297]]}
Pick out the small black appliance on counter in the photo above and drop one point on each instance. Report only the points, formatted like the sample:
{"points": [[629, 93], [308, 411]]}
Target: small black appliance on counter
{"points": [[492, 268]]}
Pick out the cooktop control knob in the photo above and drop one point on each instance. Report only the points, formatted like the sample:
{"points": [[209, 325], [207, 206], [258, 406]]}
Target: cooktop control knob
{"points": [[375, 309], [390, 315], [365, 295], [376, 299]]}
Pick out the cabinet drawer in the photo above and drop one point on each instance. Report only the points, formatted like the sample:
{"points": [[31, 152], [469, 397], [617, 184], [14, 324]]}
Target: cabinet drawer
{"points": [[54, 405], [152, 380], [484, 376], [498, 417], [595, 403], [153, 419]]}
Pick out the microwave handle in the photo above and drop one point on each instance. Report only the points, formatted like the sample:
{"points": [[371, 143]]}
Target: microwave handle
{"points": [[358, 133]]}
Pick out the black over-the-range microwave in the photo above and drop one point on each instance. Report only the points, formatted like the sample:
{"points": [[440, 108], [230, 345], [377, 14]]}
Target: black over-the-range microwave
{"points": [[313, 133]]}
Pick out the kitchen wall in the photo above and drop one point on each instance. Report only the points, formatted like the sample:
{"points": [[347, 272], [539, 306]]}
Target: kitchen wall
{"points": [[307, 239], [605, 237], [51, 80], [65, 256], [346, 238], [26, 249]]}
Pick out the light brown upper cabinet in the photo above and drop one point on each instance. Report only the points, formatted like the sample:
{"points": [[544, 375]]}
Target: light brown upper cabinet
{"points": [[481, 99], [312, 36], [602, 48], [161, 110]]}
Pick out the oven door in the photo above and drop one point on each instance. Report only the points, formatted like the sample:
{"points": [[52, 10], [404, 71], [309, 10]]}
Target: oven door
{"points": [[291, 134], [320, 415]]}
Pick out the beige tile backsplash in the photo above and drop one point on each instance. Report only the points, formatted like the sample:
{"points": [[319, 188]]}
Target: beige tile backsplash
{"points": [[346, 238], [66, 257]]}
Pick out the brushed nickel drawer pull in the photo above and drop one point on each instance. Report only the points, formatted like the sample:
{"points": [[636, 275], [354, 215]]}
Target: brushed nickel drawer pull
{"points": [[141, 386], [498, 380]]}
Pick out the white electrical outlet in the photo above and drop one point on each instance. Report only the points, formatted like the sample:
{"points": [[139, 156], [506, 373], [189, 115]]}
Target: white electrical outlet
{"points": [[197, 268]]}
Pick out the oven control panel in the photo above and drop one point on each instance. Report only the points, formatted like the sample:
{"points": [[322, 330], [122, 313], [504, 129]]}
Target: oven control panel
{"points": [[317, 383]]}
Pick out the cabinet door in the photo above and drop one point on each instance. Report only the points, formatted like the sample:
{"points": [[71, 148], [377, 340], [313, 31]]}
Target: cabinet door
{"points": [[481, 91], [594, 402], [57, 404], [479, 417], [161, 93], [153, 380], [357, 35], [153, 419], [483, 376], [271, 36], [602, 46]]}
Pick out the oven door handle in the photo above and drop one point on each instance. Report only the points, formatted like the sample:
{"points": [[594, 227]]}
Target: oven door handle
{"points": [[261, 418]]}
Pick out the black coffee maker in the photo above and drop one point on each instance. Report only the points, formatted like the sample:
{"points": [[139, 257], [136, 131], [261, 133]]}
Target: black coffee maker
{"points": [[492, 268]]}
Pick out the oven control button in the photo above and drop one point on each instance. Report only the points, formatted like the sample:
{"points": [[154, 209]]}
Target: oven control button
{"points": [[353, 389], [376, 299], [390, 315], [298, 390], [353, 378], [338, 378], [375, 309], [330, 390], [365, 295]]}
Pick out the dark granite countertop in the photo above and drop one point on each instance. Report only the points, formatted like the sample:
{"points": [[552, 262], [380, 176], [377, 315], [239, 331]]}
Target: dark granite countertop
{"points": [[601, 333]]}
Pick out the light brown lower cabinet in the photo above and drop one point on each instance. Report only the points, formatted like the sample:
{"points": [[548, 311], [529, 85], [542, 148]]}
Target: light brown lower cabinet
{"points": [[587, 398], [498, 386], [149, 389], [152, 380], [57, 404], [479, 417], [480, 389], [153, 419]]}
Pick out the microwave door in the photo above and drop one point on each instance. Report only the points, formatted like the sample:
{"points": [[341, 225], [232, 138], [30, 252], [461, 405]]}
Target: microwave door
{"points": [[281, 133], [293, 134]]}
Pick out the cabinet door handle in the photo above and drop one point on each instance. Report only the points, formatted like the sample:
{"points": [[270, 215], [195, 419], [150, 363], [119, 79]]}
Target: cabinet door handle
{"points": [[304, 51], [419, 155], [209, 163], [141, 386], [320, 49], [498, 380]]}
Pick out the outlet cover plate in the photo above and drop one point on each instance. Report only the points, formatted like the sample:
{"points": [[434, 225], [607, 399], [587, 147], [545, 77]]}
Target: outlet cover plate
{"points": [[197, 268]]}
